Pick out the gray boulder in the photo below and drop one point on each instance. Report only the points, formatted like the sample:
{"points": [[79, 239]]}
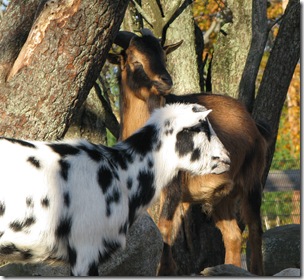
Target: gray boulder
{"points": [[231, 270], [288, 272], [142, 254], [281, 248], [140, 258], [225, 270]]}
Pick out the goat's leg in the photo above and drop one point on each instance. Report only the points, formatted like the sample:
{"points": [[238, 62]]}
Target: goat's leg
{"points": [[225, 219], [83, 261], [251, 206], [171, 198], [91, 270]]}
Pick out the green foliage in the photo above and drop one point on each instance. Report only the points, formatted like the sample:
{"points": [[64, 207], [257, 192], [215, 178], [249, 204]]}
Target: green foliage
{"points": [[277, 205], [283, 164], [111, 140], [276, 210], [110, 91]]}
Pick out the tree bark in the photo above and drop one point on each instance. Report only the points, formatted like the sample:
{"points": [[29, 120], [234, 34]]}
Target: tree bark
{"points": [[89, 120], [231, 49], [60, 65], [182, 63]]}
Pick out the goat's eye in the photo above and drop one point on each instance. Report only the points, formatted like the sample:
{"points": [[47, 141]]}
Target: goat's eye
{"points": [[200, 127]]}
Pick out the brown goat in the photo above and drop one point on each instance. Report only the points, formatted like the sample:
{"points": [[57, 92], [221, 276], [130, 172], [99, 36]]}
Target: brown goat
{"points": [[144, 84]]}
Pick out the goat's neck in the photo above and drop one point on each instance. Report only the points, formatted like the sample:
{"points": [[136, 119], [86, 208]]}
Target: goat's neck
{"points": [[148, 173], [134, 111]]}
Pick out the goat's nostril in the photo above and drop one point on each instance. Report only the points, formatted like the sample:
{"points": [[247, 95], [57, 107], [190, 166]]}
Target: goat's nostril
{"points": [[224, 161], [227, 161], [166, 79]]}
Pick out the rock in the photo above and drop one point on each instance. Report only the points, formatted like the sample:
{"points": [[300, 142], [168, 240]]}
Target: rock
{"points": [[225, 270], [142, 254], [289, 272], [17, 270], [281, 248], [231, 270], [140, 258]]}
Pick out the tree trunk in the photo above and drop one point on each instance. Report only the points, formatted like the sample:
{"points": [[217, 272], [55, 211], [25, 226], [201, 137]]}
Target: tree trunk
{"points": [[280, 67], [231, 49], [182, 63], [46, 72], [88, 121], [258, 42]]}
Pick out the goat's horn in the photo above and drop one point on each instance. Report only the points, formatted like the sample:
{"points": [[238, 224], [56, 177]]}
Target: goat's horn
{"points": [[123, 39], [146, 31]]}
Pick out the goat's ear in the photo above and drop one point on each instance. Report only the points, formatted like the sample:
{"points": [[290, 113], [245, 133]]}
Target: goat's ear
{"points": [[170, 48], [114, 58]]}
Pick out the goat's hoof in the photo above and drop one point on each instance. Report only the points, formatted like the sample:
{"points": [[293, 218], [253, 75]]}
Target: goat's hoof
{"points": [[167, 264]]}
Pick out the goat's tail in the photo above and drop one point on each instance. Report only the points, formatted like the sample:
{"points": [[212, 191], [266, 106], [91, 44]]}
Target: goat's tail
{"points": [[265, 130]]}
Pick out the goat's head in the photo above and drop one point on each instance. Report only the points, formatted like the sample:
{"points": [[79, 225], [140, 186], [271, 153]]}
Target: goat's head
{"points": [[196, 147], [143, 63]]}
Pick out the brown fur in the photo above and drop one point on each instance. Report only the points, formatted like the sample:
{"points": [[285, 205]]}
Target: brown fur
{"points": [[220, 194]]}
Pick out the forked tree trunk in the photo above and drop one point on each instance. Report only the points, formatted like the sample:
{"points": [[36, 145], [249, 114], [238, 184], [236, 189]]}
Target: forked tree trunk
{"points": [[46, 76]]}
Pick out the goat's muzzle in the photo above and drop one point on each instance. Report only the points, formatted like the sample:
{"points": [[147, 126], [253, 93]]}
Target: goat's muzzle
{"points": [[220, 165], [166, 80], [163, 85]]}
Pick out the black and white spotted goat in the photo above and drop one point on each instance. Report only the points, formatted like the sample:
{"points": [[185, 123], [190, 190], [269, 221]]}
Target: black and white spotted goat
{"points": [[74, 201]]}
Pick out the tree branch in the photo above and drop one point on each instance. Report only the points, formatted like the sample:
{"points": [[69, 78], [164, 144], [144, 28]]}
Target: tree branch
{"points": [[110, 119], [214, 26], [157, 20], [273, 23], [172, 11], [142, 13]]}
